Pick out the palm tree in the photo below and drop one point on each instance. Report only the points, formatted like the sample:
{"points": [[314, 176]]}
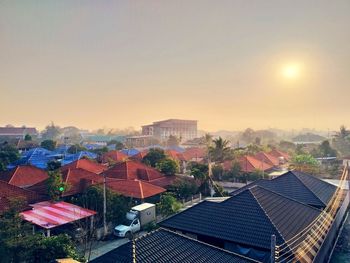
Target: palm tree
{"points": [[343, 133], [220, 150]]}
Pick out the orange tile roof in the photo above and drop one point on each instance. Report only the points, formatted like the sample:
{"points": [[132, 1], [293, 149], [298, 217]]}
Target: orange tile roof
{"points": [[250, 164], [267, 158], [278, 154], [24, 176], [132, 170], [172, 154], [134, 188], [139, 156], [194, 153], [86, 164], [113, 156]]}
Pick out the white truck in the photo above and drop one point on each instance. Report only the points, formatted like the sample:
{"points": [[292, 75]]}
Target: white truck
{"points": [[137, 217]]}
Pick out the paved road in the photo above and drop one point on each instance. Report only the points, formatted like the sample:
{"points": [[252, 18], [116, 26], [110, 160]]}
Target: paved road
{"points": [[102, 247]]}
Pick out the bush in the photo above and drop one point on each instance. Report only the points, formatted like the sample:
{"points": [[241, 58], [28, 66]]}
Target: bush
{"points": [[168, 166], [168, 205]]}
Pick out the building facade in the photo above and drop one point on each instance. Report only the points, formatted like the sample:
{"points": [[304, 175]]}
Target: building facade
{"points": [[162, 130]]}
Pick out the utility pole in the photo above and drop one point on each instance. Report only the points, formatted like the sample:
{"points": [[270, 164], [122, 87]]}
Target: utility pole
{"points": [[104, 206]]}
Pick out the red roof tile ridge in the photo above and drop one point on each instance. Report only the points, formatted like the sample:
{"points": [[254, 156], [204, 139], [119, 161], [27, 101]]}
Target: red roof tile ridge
{"points": [[13, 175], [141, 189]]}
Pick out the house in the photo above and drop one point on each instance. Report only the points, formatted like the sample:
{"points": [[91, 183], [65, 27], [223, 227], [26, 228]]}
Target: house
{"points": [[23, 145], [267, 158], [245, 222], [9, 192], [38, 157], [139, 156], [298, 186], [130, 152], [165, 246], [17, 132], [249, 164], [131, 170], [85, 164], [23, 176], [134, 188], [139, 141], [113, 157], [283, 156]]}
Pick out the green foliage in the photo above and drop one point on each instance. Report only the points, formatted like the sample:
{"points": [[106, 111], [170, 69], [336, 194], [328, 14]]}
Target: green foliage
{"points": [[118, 145], [168, 166], [150, 227], [27, 137], [117, 205], [220, 150], [53, 165], [55, 185], [76, 148], [173, 141], [8, 154], [234, 173], [217, 172], [168, 205], [184, 188], [341, 141], [324, 150], [305, 163], [100, 151], [48, 145], [198, 171], [154, 156]]}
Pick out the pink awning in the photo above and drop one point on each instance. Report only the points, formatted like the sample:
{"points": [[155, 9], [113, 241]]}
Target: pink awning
{"points": [[50, 215]]}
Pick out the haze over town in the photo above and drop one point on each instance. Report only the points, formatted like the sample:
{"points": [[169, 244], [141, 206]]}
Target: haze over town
{"points": [[231, 65]]}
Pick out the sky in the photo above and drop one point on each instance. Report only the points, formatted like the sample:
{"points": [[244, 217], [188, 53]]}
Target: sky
{"points": [[229, 64]]}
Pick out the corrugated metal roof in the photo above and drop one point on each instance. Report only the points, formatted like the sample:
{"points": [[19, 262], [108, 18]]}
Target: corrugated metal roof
{"points": [[164, 246]]}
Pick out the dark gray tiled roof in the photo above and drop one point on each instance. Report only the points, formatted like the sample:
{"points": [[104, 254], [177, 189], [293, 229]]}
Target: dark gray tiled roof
{"points": [[166, 246], [248, 218], [298, 186]]}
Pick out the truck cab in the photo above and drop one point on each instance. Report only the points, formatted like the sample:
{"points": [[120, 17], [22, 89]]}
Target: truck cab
{"points": [[127, 228]]}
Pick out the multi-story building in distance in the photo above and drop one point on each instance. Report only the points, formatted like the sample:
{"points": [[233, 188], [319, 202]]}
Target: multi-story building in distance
{"points": [[184, 129]]}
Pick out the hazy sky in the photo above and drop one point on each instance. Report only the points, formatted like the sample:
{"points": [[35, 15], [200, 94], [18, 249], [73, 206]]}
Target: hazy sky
{"points": [[127, 63]]}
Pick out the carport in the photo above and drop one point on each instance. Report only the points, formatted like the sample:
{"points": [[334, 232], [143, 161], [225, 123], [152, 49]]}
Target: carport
{"points": [[49, 215]]}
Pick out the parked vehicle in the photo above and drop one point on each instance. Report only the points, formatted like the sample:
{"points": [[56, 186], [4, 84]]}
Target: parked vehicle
{"points": [[136, 218]]}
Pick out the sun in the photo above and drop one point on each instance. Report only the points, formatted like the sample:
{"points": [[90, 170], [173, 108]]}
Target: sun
{"points": [[291, 71]]}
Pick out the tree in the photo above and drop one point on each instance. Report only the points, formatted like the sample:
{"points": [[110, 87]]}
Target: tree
{"points": [[217, 172], [305, 163], [184, 188], [8, 155], [200, 173], [168, 205], [117, 205], [173, 141], [220, 150], [76, 148], [118, 145], [324, 150], [55, 185], [235, 173], [100, 151], [51, 132], [341, 141], [48, 145], [53, 165], [168, 166], [27, 137], [154, 156]]}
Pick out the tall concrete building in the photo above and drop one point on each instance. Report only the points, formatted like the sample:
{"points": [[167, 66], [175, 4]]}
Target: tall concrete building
{"points": [[184, 129]]}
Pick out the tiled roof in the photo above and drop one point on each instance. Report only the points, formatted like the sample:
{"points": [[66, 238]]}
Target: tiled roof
{"points": [[295, 185], [113, 156], [250, 164], [132, 170], [86, 164], [24, 176], [130, 152], [139, 156], [249, 218], [69, 158], [194, 153], [134, 188], [267, 158], [173, 154], [17, 131], [23, 144], [278, 154], [8, 192], [164, 246]]}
